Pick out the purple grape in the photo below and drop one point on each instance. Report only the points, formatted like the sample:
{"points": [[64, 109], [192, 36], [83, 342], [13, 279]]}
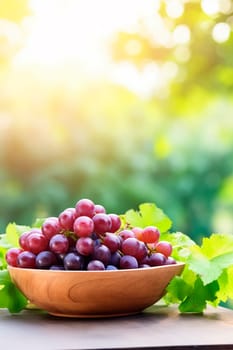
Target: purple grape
{"points": [[103, 254], [130, 246], [26, 260], [128, 262], [73, 261], [111, 267], [157, 259], [115, 259], [95, 265], [45, 259], [112, 241], [56, 267], [59, 244]]}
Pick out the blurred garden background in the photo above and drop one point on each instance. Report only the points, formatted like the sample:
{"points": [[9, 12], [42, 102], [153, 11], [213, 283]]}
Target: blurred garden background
{"points": [[121, 101]]}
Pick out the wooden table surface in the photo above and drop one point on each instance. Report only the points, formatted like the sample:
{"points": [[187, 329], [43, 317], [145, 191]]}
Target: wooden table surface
{"points": [[158, 327]]}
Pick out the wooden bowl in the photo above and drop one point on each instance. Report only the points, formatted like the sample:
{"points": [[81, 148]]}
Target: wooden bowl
{"points": [[94, 293]]}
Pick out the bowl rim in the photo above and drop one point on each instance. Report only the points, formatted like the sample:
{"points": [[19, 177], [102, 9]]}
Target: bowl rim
{"points": [[152, 268]]}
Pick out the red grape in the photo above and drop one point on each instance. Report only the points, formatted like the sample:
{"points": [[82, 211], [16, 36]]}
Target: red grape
{"points": [[83, 226], [66, 219], [37, 242], [150, 234], [124, 234], [85, 246], [112, 241], [12, 256], [51, 227], [99, 209], [115, 222], [85, 207], [164, 247], [102, 223]]}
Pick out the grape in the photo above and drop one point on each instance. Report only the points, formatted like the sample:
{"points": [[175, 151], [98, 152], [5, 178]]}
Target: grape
{"points": [[142, 251], [112, 241], [85, 246], [170, 261], [66, 219], [23, 239], [85, 207], [12, 256], [164, 247], [99, 209], [73, 261], [144, 266], [138, 232], [26, 260], [103, 254], [150, 234], [36, 242], [51, 227], [95, 265], [124, 234], [56, 267], [111, 267], [115, 259], [130, 246], [83, 226], [45, 259], [157, 259], [86, 237], [128, 262], [115, 222], [102, 223], [59, 244]]}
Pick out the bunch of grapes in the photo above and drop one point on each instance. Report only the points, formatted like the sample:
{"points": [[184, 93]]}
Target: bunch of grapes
{"points": [[85, 237]]}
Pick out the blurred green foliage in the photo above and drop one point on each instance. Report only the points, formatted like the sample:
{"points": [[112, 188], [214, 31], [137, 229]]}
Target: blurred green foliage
{"points": [[102, 141]]}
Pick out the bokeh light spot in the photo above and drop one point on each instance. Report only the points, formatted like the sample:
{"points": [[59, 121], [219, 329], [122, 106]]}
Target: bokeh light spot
{"points": [[221, 32]]}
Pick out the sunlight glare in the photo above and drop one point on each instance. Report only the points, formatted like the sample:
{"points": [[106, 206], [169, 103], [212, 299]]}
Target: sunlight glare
{"points": [[221, 32], [210, 7]]}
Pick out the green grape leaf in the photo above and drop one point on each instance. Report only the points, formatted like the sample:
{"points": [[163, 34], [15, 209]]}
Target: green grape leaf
{"points": [[149, 214], [13, 232], [181, 244], [10, 297], [225, 282], [217, 244], [38, 222], [177, 290], [196, 300], [208, 269]]}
